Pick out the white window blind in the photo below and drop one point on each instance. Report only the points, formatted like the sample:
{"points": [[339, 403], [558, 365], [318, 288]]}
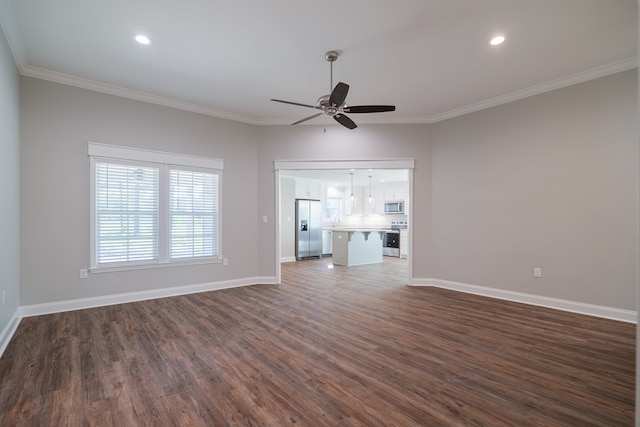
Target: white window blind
{"points": [[126, 213], [152, 208], [193, 212]]}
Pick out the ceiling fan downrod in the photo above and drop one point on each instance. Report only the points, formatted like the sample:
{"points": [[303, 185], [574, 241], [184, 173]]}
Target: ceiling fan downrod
{"points": [[331, 56]]}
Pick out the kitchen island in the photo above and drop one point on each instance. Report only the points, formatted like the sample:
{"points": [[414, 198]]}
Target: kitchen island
{"points": [[357, 246]]}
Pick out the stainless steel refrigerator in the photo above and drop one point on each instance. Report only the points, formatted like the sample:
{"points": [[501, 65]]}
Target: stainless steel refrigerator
{"points": [[308, 228]]}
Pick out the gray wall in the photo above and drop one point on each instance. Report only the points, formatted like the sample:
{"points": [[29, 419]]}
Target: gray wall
{"points": [[549, 181], [57, 123], [311, 142], [9, 184]]}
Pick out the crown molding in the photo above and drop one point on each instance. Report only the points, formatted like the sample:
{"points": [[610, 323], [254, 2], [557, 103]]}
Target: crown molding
{"points": [[12, 34], [580, 77], [583, 76], [70, 80]]}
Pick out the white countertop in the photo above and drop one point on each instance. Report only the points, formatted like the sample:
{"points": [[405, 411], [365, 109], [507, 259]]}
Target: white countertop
{"points": [[358, 229]]}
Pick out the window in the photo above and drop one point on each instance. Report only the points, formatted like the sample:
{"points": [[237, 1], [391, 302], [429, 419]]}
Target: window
{"points": [[333, 209], [193, 207], [152, 209], [126, 213]]}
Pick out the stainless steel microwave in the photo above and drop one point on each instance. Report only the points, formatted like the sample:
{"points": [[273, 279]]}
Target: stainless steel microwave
{"points": [[394, 207]]}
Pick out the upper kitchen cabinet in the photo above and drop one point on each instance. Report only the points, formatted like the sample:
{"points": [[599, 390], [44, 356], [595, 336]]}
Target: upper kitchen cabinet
{"points": [[309, 189], [396, 191]]}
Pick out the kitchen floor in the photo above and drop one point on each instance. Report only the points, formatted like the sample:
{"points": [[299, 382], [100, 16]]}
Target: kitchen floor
{"points": [[393, 269]]}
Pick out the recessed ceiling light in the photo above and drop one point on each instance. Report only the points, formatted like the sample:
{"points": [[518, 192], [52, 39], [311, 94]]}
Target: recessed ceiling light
{"points": [[142, 39], [497, 40]]}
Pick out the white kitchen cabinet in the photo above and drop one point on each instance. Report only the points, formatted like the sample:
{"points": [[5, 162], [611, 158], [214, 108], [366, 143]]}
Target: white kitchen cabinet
{"points": [[404, 244], [327, 242], [308, 189], [396, 191]]}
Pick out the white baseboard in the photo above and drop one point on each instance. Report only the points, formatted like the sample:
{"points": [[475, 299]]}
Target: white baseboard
{"points": [[628, 316], [9, 330], [265, 280], [288, 259], [82, 303]]}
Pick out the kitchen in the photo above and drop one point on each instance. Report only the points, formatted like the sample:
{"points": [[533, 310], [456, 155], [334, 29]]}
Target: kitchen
{"points": [[361, 215]]}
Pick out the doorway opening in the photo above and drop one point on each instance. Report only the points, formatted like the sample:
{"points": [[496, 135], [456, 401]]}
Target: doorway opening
{"points": [[353, 195]]}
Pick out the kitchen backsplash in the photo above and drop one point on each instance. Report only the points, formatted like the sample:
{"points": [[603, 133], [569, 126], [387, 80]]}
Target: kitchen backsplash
{"points": [[366, 221]]}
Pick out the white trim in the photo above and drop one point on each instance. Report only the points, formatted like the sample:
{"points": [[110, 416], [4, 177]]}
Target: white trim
{"points": [[155, 264], [142, 155], [9, 330], [344, 164], [15, 45], [288, 259], [164, 162], [12, 34], [265, 280], [84, 303], [410, 224], [278, 216], [96, 86], [621, 315], [583, 76], [14, 40]]}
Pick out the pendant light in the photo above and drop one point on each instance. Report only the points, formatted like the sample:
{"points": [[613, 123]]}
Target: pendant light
{"points": [[371, 201], [352, 198]]}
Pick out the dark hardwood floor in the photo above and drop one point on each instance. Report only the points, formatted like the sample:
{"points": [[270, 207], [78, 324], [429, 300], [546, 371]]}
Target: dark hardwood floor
{"points": [[330, 346]]}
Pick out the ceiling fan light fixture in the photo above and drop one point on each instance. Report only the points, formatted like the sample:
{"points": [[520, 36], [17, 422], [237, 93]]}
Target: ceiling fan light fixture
{"points": [[334, 105]]}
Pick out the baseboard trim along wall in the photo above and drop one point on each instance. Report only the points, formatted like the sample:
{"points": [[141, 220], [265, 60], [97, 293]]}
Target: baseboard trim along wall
{"points": [[9, 330], [82, 303], [628, 316], [288, 259]]}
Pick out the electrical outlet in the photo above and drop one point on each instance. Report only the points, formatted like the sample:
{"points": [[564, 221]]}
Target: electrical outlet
{"points": [[84, 273], [225, 261], [537, 272]]}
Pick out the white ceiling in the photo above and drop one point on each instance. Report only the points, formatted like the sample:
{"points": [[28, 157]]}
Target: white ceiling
{"points": [[430, 58]]}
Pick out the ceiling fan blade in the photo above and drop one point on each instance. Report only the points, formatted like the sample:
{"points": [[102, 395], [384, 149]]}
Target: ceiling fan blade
{"points": [[345, 121], [369, 108], [296, 103], [307, 118], [339, 94]]}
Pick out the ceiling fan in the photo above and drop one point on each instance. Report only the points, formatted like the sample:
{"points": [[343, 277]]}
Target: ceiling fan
{"points": [[333, 105]]}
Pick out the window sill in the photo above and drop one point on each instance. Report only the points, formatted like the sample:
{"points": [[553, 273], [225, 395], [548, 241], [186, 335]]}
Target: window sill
{"points": [[152, 266]]}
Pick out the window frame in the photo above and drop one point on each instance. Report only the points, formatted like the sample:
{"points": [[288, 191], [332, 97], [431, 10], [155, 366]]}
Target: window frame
{"points": [[164, 162], [340, 209]]}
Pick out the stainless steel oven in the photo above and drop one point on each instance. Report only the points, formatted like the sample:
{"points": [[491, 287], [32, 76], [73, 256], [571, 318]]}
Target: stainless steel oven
{"points": [[391, 243]]}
